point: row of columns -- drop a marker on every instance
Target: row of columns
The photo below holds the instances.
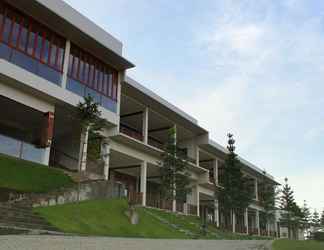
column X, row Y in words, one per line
column 143, row 189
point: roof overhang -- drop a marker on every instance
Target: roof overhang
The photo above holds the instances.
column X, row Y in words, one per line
column 66, row 21
column 163, row 107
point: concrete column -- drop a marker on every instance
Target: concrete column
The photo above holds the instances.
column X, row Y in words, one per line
column 215, row 169
column 257, row 217
column 234, row 221
column 174, row 206
column 145, row 125
column 66, row 63
column 216, row 212
column 197, row 155
column 83, row 149
column 105, row 152
column 197, row 200
column 143, row 182
column 256, row 189
column 246, row 220
column 174, row 202
column 121, row 78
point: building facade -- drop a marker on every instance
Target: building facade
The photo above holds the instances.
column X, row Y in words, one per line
column 50, row 58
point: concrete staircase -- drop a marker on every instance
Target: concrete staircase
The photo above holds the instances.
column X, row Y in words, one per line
column 19, row 218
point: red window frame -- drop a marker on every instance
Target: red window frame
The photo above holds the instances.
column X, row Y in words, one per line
column 33, row 27
column 93, row 76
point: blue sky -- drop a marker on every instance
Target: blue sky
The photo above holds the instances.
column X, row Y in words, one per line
column 253, row 68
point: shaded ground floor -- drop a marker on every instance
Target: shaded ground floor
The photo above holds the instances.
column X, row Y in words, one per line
column 67, row 242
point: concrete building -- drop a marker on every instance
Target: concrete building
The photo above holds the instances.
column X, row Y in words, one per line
column 50, row 58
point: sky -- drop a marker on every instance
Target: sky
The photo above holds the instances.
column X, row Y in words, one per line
column 252, row 68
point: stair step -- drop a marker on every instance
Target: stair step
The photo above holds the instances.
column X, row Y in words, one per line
column 13, row 213
column 18, row 209
column 28, row 225
column 27, row 219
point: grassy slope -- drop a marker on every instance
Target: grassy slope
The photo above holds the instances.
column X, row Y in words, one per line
column 297, row 245
column 105, row 217
column 193, row 223
column 26, row 176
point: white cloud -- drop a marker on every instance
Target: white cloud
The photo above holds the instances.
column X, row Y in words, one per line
column 270, row 93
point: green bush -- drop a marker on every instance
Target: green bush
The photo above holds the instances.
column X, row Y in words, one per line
column 319, row 236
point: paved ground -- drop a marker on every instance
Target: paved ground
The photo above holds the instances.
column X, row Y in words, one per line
column 101, row 243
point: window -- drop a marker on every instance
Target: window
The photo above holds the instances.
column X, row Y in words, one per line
column 24, row 34
column 91, row 72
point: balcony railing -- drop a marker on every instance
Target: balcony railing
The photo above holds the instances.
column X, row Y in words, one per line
column 253, row 231
column 180, row 206
column 240, row 228
column 155, row 143
column 132, row 132
column 192, row 209
column 156, row 201
column 135, row 198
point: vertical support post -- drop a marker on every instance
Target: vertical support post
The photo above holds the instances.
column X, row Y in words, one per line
column 256, row 189
column 66, row 63
column 83, row 149
column 145, row 125
column 258, row 221
column 174, row 202
column 197, row 156
column 215, row 169
column 143, row 182
column 105, row 152
column 197, row 200
column 246, row 219
column 174, row 205
column 234, row 221
column 46, row 136
column 121, row 78
column 216, row 212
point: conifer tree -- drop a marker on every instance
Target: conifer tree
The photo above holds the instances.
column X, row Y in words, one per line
column 306, row 216
column 268, row 197
column 322, row 219
column 288, row 206
column 174, row 171
column 236, row 194
column 316, row 221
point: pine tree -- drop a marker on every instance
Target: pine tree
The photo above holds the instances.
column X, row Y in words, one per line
column 316, row 221
column 288, row 206
column 306, row 216
column 174, row 171
column 322, row 219
column 236, row 194
column 268, row 197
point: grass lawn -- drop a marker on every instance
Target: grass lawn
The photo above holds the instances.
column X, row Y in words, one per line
column 105, row 218
column 297, row 245
column 193, row 223
column 27, row 176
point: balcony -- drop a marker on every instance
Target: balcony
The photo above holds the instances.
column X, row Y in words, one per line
column 131, row 132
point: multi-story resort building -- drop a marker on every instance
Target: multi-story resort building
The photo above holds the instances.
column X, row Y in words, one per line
column 51, row 56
